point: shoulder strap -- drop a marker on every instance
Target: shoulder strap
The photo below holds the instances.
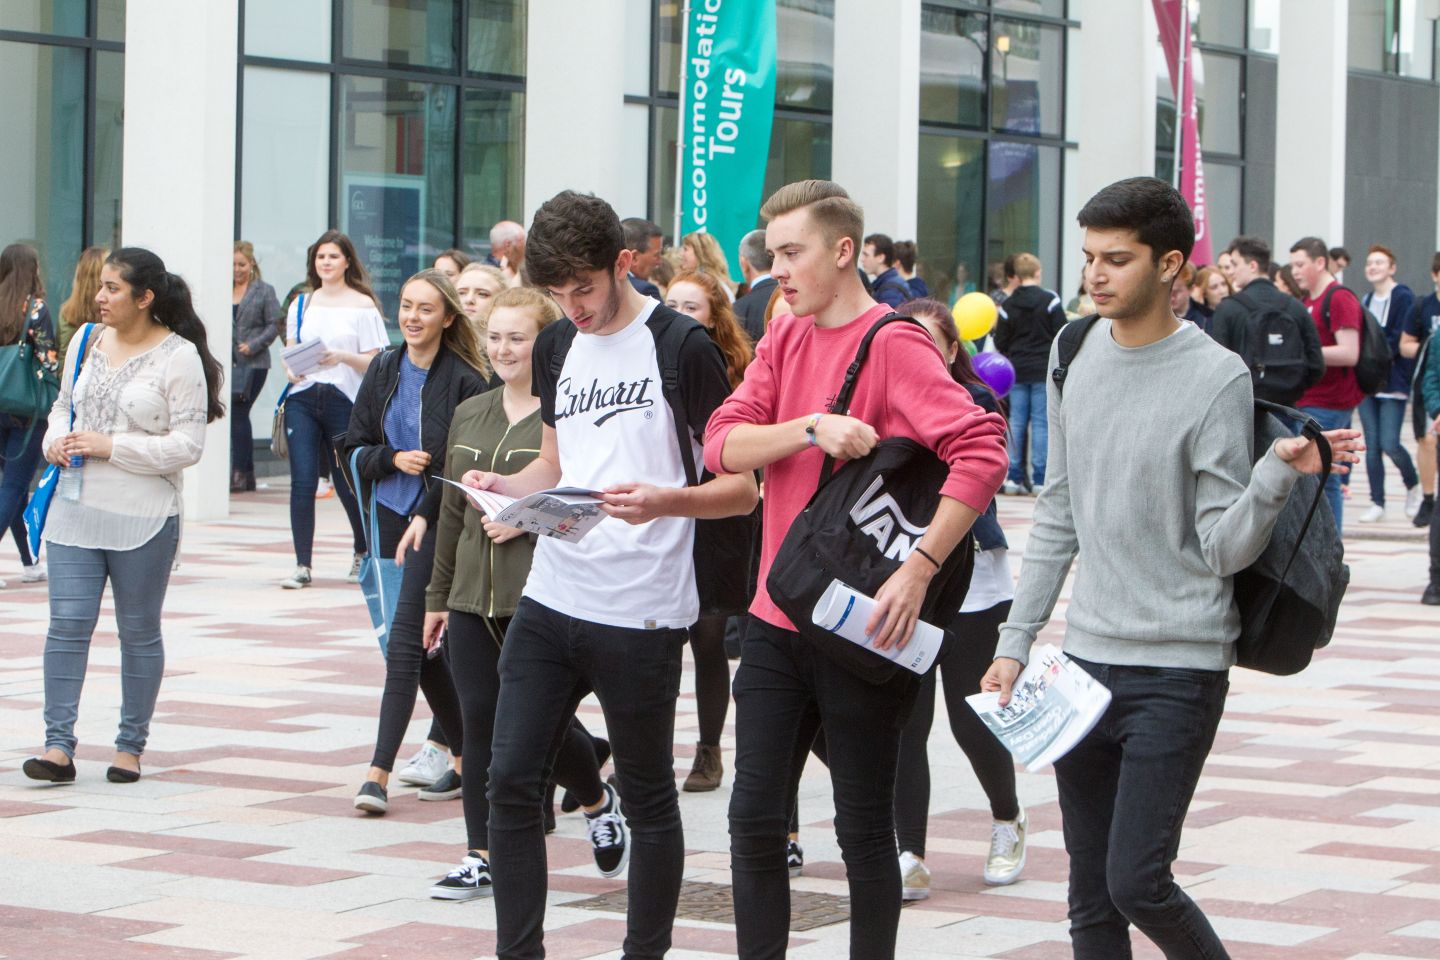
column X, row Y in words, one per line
column 841, row 404
column 564, row 336
column 1325, row 306
column 1309, row 428
column 79, row 363
column 299, row 316
column 1072, row 337
column 670, row 337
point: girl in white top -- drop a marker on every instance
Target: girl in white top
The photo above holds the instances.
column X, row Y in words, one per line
column 342, row 311
column 146, row 390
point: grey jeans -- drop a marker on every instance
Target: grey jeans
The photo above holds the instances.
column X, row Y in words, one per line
column 77, row 583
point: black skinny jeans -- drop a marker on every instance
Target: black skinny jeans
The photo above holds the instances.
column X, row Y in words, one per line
column 407, row 668
column 549, row 663
column 712, row 677
column 474, row 643
column 960, row 672
column 785, row 691
column 1124, row 791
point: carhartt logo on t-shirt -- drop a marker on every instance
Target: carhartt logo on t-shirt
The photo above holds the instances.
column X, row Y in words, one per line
column 607, row 401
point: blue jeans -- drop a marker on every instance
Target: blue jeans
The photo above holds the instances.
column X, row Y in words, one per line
column 1124, row 791
column 316, row 421
column 1331, row 420
column 1027, row 411
column 77, row 583
column 20, row 459
column 1380, row 418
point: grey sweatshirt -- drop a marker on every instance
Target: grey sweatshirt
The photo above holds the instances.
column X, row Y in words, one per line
column 1149, row 481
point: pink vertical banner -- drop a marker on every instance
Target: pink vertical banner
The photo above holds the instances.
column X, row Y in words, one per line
column 1173, row 17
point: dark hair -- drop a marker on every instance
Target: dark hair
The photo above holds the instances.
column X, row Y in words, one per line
column 19, row 281
column 1314, row 248
column 1339, row 253
column 1286, row 278
column 172, row 308
column 639, row 232
column 1007, row 267
column 355, row 277
column 905, row 253
column 1435, row 264
column 573, row 233
column 461, row 258
column 961, row 369
column 1151, row 208
column 1252, row 249
column 884, row 247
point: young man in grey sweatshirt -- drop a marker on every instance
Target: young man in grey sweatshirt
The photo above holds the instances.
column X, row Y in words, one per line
column 1150, row 483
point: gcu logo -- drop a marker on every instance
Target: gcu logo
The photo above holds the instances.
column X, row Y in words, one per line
column 879, row 516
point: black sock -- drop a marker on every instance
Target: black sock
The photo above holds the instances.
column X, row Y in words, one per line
column 1428, row 498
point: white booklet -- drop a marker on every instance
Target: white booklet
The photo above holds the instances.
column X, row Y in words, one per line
column 1052, row 706
column 565, row 513
column 303, row 359
column 844, row 611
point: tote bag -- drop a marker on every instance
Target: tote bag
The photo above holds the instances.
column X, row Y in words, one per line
column 379, row 576
column 39, row 506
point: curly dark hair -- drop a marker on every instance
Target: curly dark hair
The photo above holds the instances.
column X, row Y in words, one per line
column 573, row 233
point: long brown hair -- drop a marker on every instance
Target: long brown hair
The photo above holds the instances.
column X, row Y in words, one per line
column 733, row 342
column 19, row 282
column 961, row 369
column 355, row 275
column 80, row 307
column 459, row 338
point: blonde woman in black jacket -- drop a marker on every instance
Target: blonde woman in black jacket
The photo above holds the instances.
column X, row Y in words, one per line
column 254, row 309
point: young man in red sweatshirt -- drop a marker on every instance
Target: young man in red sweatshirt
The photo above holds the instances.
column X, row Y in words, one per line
column 785, row 690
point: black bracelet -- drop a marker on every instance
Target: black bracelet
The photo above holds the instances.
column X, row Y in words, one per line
column 921, row 551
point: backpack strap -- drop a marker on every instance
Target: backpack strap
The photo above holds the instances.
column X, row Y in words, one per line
column 1071, row 338
column 841, row 403
column 670, row 337
column 1309, row 428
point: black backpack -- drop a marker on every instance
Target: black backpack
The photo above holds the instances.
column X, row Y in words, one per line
column 1289, row 598
column 860, row 525
column 1282, row 351
column 1372, row 370
column 726, row 551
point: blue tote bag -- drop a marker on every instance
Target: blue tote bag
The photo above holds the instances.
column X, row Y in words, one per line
column 379, row 576
column 39, row 506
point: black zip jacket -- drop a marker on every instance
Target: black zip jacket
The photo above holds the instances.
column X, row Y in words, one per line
column 450, row 382
column 1029, row 320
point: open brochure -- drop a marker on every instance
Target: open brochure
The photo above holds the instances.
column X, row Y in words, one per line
column 303, row 359
column 844, row 611
column 565, row 513
column 1053, row 705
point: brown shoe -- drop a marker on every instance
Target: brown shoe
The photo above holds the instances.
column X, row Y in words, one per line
column 705, row 774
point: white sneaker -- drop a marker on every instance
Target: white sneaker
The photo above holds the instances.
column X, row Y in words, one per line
column 1413, row 498
column 1038, row 489
column 914, row 877
column 297, row 580
column 1011, row 489
column 354, row 575
column 1007, row 851
column 1375, row 514
column 35, row 572
column 423, row 769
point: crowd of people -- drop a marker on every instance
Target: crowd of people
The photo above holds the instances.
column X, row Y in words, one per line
column 581, row 353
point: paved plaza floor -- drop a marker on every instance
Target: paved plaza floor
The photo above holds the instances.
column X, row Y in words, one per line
column 1314, row 835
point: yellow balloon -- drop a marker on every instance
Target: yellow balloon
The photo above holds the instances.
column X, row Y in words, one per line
column 974, row 315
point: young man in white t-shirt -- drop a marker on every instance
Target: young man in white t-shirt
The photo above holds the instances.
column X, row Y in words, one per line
column 608, row 614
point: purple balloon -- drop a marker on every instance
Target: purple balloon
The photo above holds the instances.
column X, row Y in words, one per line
column 995, row 370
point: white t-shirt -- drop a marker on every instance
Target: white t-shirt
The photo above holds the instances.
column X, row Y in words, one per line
column 1379, row 308
column 352, row 329
column 612, row 425
column 991, row 583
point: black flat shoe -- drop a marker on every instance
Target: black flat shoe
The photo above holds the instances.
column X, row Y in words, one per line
column 38, row 768
column 121, row 775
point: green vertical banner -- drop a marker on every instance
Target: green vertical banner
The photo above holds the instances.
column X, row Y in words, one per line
column 727, row 106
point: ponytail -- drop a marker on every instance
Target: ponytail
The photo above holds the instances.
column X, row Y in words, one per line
column 173, row 309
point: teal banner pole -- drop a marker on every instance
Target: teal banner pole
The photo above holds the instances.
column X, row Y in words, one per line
column 727, row 109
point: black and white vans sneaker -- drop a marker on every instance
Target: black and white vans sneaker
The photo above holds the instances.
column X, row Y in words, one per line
column 446, row 788
column 794, row 858
column 609, row 837
column 466, row 882
column 372, row 798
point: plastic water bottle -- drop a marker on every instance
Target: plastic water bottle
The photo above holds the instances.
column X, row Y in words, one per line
column 68, row 486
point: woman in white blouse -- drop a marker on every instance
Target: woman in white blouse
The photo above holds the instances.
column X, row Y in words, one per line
column 147, row 387
column 342, row 311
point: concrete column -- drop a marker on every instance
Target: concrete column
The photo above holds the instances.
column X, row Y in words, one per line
column 1310, row 134
column 575, row 100
column 178, row 195
column 876, row 146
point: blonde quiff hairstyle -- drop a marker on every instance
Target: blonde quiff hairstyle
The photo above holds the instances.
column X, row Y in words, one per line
column 830, row 207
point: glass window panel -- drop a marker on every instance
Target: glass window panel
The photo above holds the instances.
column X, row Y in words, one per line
column 1164, row 102
column 951, row 198
column 497, row 36
column 109, row 148
column 662, row 168
column 671, row 25
column 952, row 67
column 1368, row 35
column 110, row 16
column 1045, row 8
column 1265, row 26
column 1219, row 21
column 637, row 47
column 805, row 36
column 494, row 167
column 1027, row 69
column 1217, row 96
column 397, row 189
column 1417, row 40
column 1022, row 202
column 64, row 17
column 799, row 150
column 1222, row 203
column 42, row 193
column 633, row 199
column 288, row 29
column 399, row 32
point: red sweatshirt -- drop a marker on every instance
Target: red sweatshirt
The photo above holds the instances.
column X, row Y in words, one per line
column 904, row 390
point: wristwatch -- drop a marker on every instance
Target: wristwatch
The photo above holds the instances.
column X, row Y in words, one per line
column 811, row 422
